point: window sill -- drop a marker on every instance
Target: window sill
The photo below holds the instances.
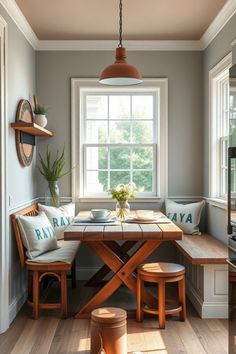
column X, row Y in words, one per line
column 109, row 200
column 217, row 202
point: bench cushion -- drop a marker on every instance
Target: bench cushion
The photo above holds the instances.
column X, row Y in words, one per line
column 37, row 234
column 66, row 253
column 60, row 217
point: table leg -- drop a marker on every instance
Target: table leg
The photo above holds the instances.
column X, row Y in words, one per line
column 123, row 272
column 121, row 251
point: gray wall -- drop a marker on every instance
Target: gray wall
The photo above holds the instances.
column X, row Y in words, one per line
column 216, row 51
column 21, row 181
column 188, row 75
column 184, row 71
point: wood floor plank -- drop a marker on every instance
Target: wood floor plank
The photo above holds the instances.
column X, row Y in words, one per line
column 51, row 335
column 59, row 344
column 189, row 338
column 143, row 337
column 45, row 335
column 27, row 339
column 9, row 338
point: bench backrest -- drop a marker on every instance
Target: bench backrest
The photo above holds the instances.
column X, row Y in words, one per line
column 29, row 211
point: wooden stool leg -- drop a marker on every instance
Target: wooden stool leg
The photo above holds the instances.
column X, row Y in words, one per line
column 30, row 286
column 64, row 294
column 139, row 313
column 161, row 303
column 182, row 299
column 73, row 275
column 35, row 295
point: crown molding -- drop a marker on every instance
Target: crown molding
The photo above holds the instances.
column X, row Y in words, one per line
column 131, row 45
column 17, row 16
column 218, row 23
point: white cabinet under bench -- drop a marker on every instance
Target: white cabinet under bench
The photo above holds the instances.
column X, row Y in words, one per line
column 204, row 258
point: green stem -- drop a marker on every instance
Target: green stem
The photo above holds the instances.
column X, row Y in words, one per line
column 53, row 193
column 121, row 211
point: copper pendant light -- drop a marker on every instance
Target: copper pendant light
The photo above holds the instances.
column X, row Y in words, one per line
column 120, row 73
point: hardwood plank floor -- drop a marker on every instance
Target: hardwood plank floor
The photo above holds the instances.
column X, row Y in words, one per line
column 51, row 335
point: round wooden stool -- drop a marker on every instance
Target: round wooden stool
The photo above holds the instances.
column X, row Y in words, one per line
column 110, row 324
column 161, row 273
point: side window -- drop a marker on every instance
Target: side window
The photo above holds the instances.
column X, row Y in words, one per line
column 219, row 127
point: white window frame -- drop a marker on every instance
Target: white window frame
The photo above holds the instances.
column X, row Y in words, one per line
column 79, row 85
column 216, row 77
column 4, row 208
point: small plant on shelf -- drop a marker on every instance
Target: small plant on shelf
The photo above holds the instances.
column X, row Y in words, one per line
column 40, row 109
column 39, row 115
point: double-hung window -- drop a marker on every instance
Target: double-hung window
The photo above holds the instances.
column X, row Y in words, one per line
column 116, row 138
column 219, row 127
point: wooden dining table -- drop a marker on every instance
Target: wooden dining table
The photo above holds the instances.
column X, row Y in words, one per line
column 140, row 240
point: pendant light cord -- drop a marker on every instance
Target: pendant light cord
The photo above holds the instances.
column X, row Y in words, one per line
column 120, row 24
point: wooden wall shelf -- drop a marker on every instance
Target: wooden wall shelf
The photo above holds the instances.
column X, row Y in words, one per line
column 31, row 128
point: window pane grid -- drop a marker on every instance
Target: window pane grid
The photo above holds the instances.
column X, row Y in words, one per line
column 118, row 129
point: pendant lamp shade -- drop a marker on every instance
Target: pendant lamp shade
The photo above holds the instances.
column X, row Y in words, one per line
column 120, row 73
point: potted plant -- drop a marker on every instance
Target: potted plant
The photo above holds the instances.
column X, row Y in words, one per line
column 52, row 171
column 40, row 115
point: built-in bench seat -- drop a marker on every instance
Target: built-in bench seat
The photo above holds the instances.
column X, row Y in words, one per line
column 57, row 263
column 204, row 258
column 202, row 249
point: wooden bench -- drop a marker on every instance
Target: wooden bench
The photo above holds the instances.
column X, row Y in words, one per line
column 204, row 258
column 38, row 271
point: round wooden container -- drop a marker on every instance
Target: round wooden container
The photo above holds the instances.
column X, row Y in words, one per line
column 110, row 323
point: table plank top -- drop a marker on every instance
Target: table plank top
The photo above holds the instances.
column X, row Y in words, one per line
column 123, row 231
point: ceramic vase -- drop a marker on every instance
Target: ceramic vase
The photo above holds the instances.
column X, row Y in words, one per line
column 41, row 120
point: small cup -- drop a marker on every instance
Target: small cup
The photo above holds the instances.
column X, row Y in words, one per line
column 144, row 214
column 100, row 213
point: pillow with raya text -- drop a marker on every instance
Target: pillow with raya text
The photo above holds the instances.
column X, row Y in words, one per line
column 60, row 217
column 186, row 216
column 37, row 234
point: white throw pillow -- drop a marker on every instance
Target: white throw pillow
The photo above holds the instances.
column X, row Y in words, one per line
column 37, row 234
column 60, row 217
column 186, row 216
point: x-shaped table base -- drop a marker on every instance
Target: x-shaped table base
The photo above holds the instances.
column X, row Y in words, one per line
column 123, row 266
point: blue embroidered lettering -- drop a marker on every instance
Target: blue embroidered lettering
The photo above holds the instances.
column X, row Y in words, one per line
column 174, row 217
column 45, row 235
column 55, row 222
column 38, row 234
column 68, row 220
column 62, row 222
column 181, row 217
column 48, row 228
column 189, row 219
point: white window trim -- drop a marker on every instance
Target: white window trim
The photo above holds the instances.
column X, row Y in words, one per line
column 214, row 185
column 162, row 165
column 4, row 209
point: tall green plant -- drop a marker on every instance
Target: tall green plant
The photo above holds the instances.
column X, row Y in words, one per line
column 52, row 170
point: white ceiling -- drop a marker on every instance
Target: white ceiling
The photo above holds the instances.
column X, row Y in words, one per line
column 98, row 19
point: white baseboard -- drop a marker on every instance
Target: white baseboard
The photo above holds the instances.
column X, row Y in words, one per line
column 194, row 297
column 17, row 304
column 206, row 309
column 214, row 310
